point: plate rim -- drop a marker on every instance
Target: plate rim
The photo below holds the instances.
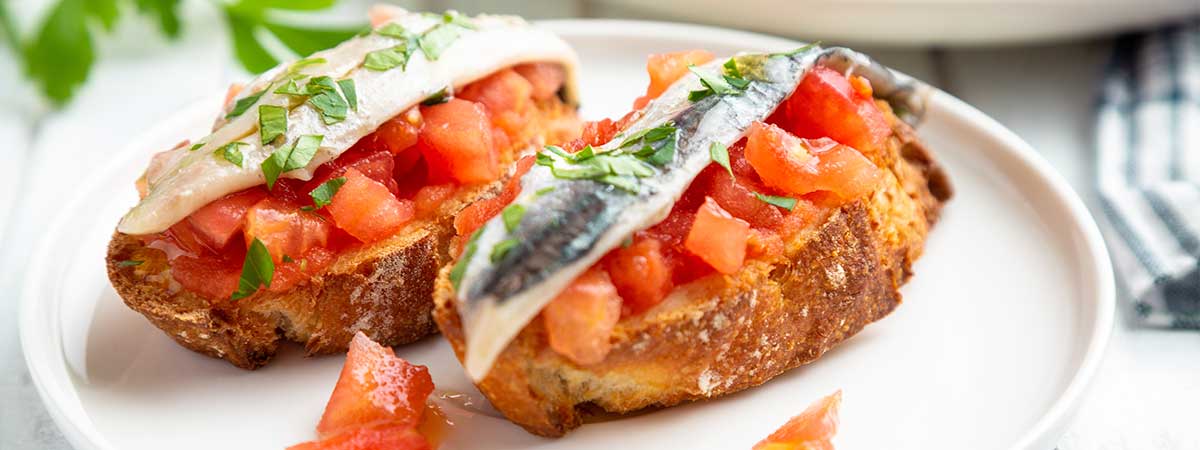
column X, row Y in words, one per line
column 43, row 352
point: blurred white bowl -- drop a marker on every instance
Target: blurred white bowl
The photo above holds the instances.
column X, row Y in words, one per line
column 921, row 22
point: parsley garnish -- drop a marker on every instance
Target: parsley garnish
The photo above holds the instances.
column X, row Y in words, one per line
column 245, row 103
column 394, row 30
column 290, row 157
column 544, row 191
column 388, row 58
column 502, row 249
column 232, row 153
column 730, row 82
column 783, row 202
column 324, row 193
column 272, row 122
column 635, row 157
column 326, row 99
column 129, row 263
column 798, row 50
column 300, row 64
column 720, row 155
column 460, row 267
column 512, row 215
column 348, row 91
column 257, row 270
column 196, row 146
column 435, row 40
column 438, row 97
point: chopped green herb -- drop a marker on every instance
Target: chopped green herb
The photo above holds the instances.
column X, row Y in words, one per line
column 730, row 82
column 436, row 40
column 502, row 249
column 460, row 266
column 438, row 97
column 245, row 103
column 300, row 64
column 393, row 30
column 232, row 152
column 293, row 89
column 288, row 259
column 720, row 155
column 783, row 202
column 290, row 157
column 798, row 50
column 512, row 215
column 324, row 193
column 456, row 18
column 349, row 92
column 620, row 167
column 129, row 263
column 388, row 58
column 257, row 270
column 327, row 100
column 627, row 242
column 544, row 191
column 196, row 146
column 272, row 122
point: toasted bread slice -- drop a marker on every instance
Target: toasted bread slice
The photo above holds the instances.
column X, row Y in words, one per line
column 383, row 289
column 722, row 334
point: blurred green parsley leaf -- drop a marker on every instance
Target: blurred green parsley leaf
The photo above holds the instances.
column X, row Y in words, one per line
column 59, row 56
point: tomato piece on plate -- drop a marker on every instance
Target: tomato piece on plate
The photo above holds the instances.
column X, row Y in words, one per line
column 284, row 229
column 212, row 277
column 581, row 318
column 826, row 104
column 375, row 387
column 666, row 68
column 384, row 437
column 718, row 238
column 800, row 166
column 641, row 274
column 476, row 214
column 367, row 210
column 812, row 429
column 218, row 222
column 546, row 78
column 457, row 142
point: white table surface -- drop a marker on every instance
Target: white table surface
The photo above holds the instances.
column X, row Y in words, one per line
column 1145, row 396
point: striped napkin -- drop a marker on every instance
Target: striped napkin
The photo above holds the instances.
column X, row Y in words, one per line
column 1148, row 140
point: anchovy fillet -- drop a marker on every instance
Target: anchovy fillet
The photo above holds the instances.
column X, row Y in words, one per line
column 569, row 224
column 189, row 179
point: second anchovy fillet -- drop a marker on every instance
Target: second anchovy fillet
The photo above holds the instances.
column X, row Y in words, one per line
column 567, row 224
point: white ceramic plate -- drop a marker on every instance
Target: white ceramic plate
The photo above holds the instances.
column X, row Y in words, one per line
column 1000, row 331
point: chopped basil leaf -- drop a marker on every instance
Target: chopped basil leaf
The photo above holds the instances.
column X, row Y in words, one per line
column 388, row 58
column 625, row 182
column 129, row 263
column 293, row 89
column 290, row 157
column 327, row 100
column 512, row 215
column 232, row 153
column 798, row 50
column 720, row 155
column 456, row 18
column 544, row 191
column 393, row 30
column 730, row 82
column 324, row 193
column 502, row 249
column 296, row 66
column 783, row 202
column 272, row 122
column 436, row 40
column 245, row 103
column 348, row 91
column 621, row 167
column 438, row 97
column 663, row 155
column 196, row 146
column 460, row 266
column 257, row 270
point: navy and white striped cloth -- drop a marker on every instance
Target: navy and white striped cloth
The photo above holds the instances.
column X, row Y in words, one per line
column 1148, row 138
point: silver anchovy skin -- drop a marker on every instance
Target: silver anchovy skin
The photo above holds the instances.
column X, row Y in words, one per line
column 570, row 227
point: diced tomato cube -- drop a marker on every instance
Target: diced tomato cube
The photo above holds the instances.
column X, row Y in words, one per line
column 718, row 238
column 429, row 198
column 367, row 210
column 284, row 229
column 799, row 166
column 505, row 90
column 580, row 320
column 599, row 132
column 546, row 78
column 185, row 236
column 641, row 274
column 212, row 277
column 291, row 274
column 378, row 165
column 457, row 142
column 812, row 429
column 476, row 214
column 384, row 437
column 666, row 68
column 826, row 104
column 375, row 387
column 737, row 197
column 218, row 222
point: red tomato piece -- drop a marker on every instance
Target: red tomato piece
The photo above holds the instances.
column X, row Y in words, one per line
column 284, row 229
column 211, row 277
column 375, row 387
column 718, row 238
column 378, row 165
column 394, row 136
column 812, row 429
column 580, row 320
column 429, row 198
column 291, row 274
column 185, row 236
column 546, row 78
column 641, row 274
column 218, row 222
column 505, row 90
column 457, row 143
column 385, row 437
column 800, row 166
column 666, row 68
column 476, row 214
column 367, row 210
column 737, row 197
column 826, row 104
